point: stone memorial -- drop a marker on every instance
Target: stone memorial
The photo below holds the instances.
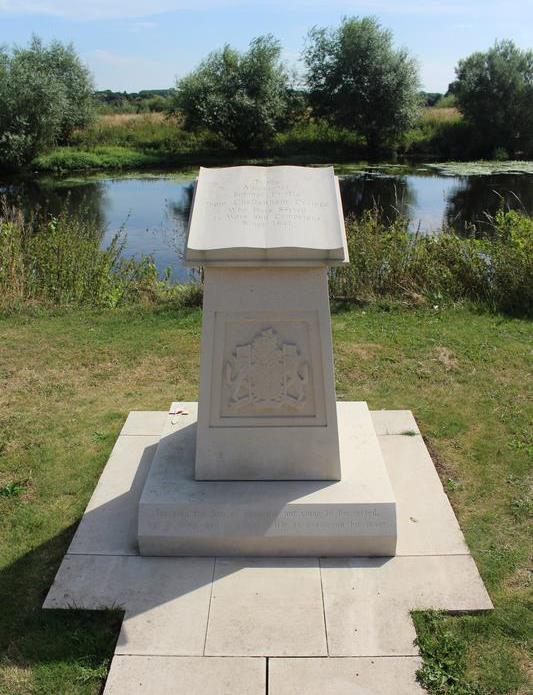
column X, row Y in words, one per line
column 268, row 463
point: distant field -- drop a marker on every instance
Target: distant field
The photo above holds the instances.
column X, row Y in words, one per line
column 135, row 119
column 121, row 119
column 444, row 115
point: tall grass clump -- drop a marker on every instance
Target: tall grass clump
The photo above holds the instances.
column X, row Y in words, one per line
column 59, row 261
column 150, row 132
column 387, row 260
column 318, row 138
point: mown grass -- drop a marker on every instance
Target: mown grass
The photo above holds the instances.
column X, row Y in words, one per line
column 69, row 378
column 132, row 141
column 99, row 157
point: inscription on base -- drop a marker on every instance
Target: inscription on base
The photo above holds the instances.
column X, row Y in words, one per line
column 366, row 521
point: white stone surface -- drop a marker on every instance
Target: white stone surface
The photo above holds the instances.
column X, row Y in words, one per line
column 275, row 605
column 367, row 600
column 394, row 422
column 269, row 607
column 144, row 422
column 390, row 676
column 109, row 525
column 265, row 414
column 166, row 600
column 149, row 675
column 426, row 522
column 179, row 515
column 266, row 215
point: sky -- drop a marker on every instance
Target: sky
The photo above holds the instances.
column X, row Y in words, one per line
column 131, row 45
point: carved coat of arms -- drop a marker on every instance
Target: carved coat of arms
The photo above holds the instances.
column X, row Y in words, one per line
column 267, row 374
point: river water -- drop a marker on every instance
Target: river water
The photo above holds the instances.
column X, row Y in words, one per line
column 153, row 208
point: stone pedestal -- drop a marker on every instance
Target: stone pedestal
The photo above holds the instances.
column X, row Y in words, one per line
column 268, row 464
column 267, row 391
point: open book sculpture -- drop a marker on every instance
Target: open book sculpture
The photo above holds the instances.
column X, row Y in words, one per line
column 259, row 214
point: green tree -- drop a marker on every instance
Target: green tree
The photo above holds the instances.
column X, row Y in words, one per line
column 242, row 97
column 494, row 91
column 358, row 80
column 45, row 93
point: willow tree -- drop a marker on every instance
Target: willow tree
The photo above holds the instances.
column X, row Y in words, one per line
column 45, row 93
column 494, row 91
column 358, row 80
column 243, row 97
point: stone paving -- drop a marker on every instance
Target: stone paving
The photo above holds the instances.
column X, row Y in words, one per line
column 275, row 626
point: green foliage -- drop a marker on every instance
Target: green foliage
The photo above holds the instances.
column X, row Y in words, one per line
column 387, row 260
column 59, row 261
column 431, row 98
column 446, row 101
column 45, row 93
column 13, row 488
column 359, row 81
column 103, row 157
column 241, row 97
column 147, row 100
column 316, row 137
column 444, row 654
column 494, row 90
column 147, row 133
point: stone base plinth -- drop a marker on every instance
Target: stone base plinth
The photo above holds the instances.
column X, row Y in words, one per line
column 180, row 516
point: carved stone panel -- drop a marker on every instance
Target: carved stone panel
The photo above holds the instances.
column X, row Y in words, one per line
column 268, row 370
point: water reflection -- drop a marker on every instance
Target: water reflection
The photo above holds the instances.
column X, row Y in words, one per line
column 475, row 199
column 391, row 195
column 154, row 210
column 89, row 199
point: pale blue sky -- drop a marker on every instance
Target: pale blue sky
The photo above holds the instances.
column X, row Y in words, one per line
column 142, row 44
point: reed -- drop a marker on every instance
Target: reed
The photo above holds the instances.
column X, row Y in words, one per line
column 59, row 260
column 492, row 271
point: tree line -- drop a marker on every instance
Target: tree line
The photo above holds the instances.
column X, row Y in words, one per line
column 354, row 78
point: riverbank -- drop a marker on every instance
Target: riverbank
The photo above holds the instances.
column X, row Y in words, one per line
column 151, row 140
column 69, row 378
column 60, row 261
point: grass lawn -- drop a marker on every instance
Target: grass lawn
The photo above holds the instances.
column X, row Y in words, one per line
column 68, row 380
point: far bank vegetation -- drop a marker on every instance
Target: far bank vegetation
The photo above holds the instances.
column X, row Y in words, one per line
column 248, row 104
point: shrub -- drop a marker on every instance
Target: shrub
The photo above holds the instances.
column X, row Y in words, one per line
column 59, row 261
column 386, row 260
column 45, row 93
column 243, row 98
column 494, row 90
column 318, row 138
column 359, row 81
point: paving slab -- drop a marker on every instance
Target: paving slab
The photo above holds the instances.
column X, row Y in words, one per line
column 183, row 633
column 166, row 599
column 426, row 521
column 144, row 422
column 355, row 676
column 266, row 606
column 149, row 675
column 367, row 600
column 394, row 422
column 109, row 524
